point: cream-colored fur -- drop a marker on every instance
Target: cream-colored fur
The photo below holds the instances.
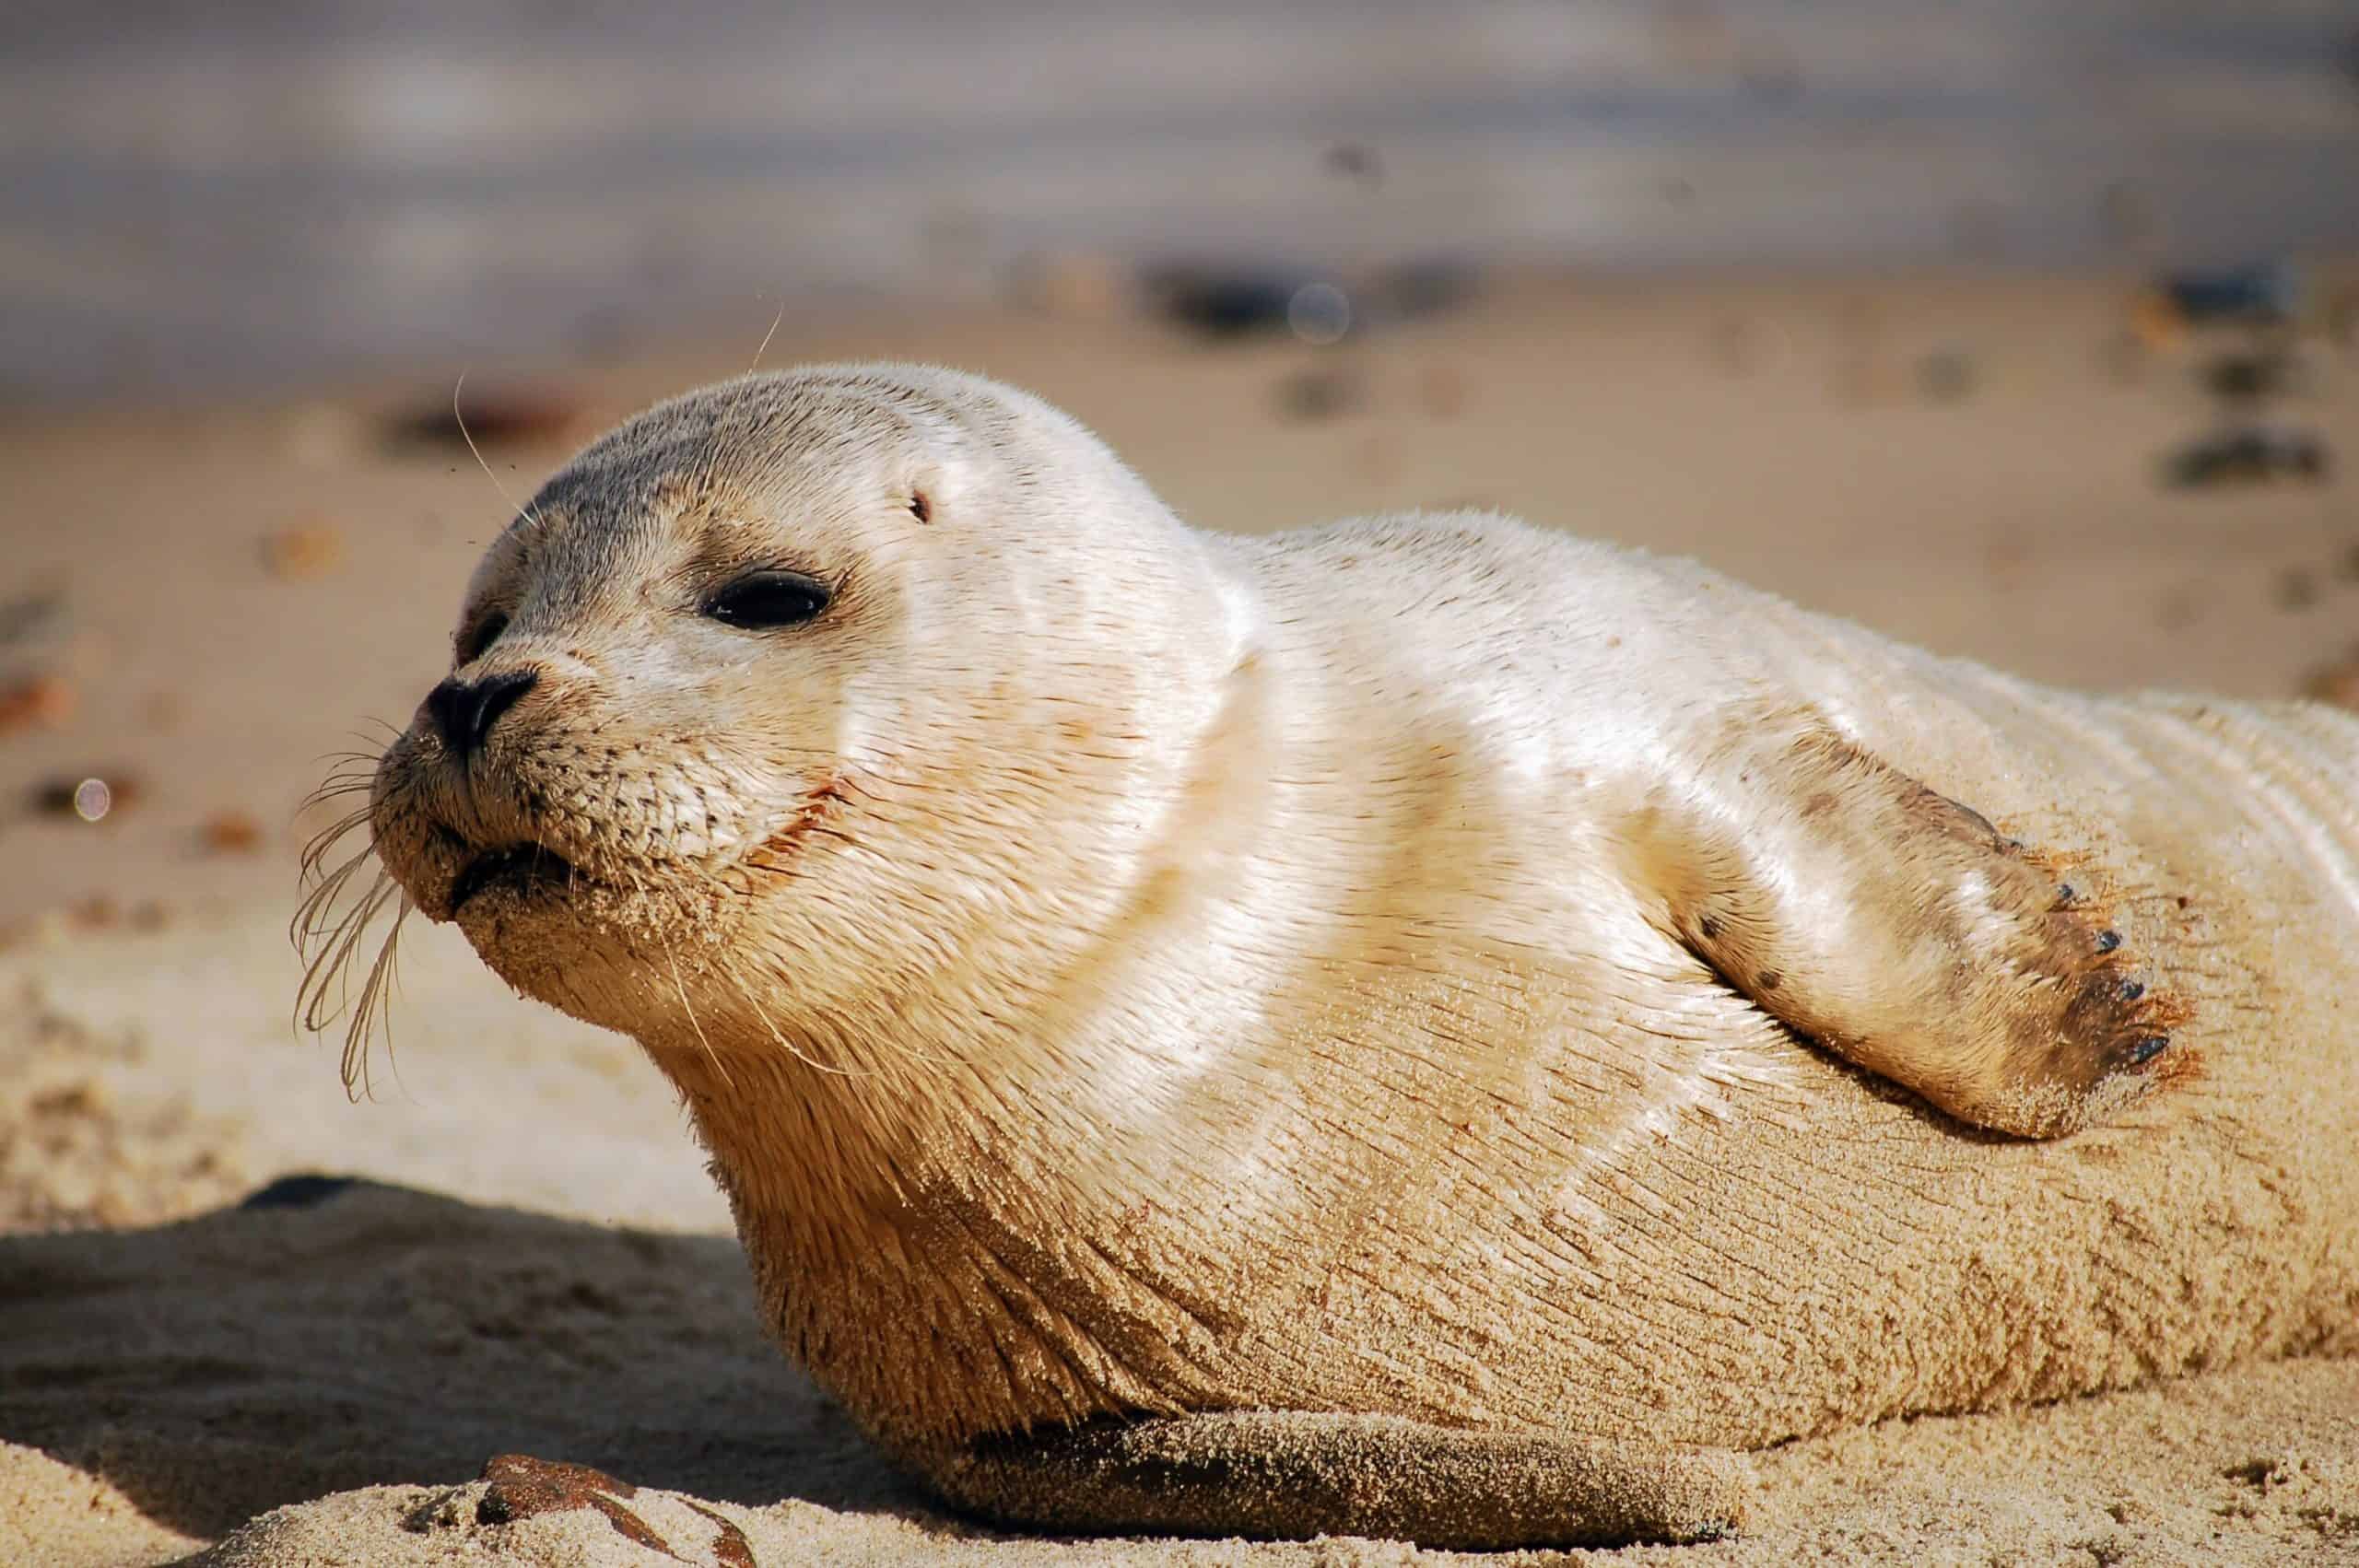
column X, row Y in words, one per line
column 1122, row 971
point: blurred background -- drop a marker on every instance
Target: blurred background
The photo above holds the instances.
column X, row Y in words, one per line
column 256, row 188
column 2019, row 328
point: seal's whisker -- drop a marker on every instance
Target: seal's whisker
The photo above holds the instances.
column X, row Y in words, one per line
column 335, row 785
column 322, row 843
column 319, row 938
column 337, row 944
column 357, row 759
column 763, row 347
column 745, row 388
column 312, row 916
column 468, row 436
column 331, row 794
column 714, row 1057
column 324, row 912
column 796, row 1051
column 375, row 1009
column 327, row 792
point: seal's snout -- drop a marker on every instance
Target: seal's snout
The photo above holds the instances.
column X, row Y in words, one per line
column 465, row 712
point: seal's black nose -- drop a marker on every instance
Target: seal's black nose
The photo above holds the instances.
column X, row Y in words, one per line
column 465, row 710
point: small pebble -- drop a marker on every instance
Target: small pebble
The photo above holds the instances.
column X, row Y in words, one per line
column 1322, row 393
column 232, row 833
column 97, row 913
column 306, row 551
column 1224, row 305
column 44, row 702
column 1355, row 160
column 1946, row 375
column 91, row 798
column 2336, row 684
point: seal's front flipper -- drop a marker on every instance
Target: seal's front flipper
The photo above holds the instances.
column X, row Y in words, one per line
column 1898, row 928
column 1288, row 1476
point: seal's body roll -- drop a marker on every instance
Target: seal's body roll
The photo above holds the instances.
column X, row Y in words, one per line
column 1192, row 1027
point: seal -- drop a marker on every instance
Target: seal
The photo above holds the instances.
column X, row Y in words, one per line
column 1422, row 1025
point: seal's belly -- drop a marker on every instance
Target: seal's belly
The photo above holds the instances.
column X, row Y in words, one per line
column 1774, row 1243
column 1631, row 1205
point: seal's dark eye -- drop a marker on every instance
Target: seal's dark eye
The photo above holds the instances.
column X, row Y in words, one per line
column 761, row 600
column 481, row 636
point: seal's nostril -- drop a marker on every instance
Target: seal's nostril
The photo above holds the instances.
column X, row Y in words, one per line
column 465, row 710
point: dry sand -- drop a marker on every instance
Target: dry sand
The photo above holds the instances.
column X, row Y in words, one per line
column 197, row 604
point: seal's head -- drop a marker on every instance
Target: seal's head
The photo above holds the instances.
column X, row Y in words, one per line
column 816, row 689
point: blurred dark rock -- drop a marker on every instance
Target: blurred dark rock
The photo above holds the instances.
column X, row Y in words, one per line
column 2250, row 377
column 1946, row 375
column 496, row 418
column 2256, row 293
column 1248, row 300
column 1322, row 391
column 2247, row 454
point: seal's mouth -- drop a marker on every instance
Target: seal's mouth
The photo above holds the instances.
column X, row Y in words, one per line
column 519, row 868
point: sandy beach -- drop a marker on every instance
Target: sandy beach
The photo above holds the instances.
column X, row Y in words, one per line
column 516, row 1249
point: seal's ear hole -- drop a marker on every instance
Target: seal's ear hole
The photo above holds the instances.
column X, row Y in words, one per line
column 920, row 507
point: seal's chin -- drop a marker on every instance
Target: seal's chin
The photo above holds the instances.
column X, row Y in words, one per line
column 513, row 872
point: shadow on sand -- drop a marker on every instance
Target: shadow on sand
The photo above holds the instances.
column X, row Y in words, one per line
column 327, row 1335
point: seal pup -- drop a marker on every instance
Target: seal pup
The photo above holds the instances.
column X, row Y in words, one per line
column 1418, row 1026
